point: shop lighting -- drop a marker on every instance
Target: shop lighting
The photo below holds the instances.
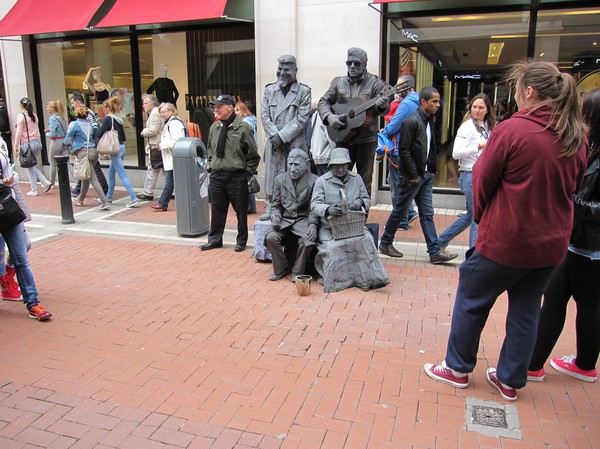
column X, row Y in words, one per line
column 521, row 36
column 512, row 15
column 494, row 52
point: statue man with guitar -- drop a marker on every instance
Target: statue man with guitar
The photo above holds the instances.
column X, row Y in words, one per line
column 350, row 108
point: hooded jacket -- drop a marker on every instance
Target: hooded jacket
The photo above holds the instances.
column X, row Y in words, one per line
column 522, row 193
column 406, row 108
column 107, row 125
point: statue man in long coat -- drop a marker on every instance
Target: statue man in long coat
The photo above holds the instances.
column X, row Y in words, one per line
column 284, row 112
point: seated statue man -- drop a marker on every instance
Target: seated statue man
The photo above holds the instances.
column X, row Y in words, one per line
column 352, row 261
column 292, row 222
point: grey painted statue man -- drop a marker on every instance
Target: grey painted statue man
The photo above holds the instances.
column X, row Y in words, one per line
column 284, row 112
column 292, row 222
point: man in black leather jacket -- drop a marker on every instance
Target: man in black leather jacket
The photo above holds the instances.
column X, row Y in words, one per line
column 358, row 83
column 417, row 169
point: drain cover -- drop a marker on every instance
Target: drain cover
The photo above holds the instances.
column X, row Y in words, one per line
column 489, row 416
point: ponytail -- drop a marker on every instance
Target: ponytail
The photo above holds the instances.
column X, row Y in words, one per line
column 26, row 104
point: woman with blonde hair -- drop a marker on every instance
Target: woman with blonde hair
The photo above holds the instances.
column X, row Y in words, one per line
column 523, row 186
column 28, row 133
column 112, row 120
column 80, row 137
column 56, row 131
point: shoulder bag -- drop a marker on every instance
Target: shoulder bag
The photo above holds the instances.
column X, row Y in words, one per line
column 156, row 161
column 27, row 157
column 83, row 169
column 109, row 145
column 10, row 212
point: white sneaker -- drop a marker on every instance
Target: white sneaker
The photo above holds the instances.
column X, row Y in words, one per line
column 32, row 193
column 133, row 203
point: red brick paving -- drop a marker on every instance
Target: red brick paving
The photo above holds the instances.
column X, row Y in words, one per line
column 156, row 345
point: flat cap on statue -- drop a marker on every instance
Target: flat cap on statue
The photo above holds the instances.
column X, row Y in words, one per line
column 339, row 156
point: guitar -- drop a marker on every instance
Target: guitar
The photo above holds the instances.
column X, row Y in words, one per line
column 354, row 112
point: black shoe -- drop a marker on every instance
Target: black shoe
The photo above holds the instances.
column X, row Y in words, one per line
column 276, row 277
column 143, row 196
column 442, row 257
column 208, row 246
column 239, row 248
column 389, row 250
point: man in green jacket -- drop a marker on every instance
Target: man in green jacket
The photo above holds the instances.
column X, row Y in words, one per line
column 232, row 158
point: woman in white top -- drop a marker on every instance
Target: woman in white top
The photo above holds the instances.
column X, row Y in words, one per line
column 174, row 129
column 470, row 140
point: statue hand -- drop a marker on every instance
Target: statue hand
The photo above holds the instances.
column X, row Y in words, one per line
column 335, row 121
column 276, row 142
column 382, row 102
column 276, row 222
column 356, row 205
column 335, row 211
column 312, row 232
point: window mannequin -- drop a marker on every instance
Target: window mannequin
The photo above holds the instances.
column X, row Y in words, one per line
column 163, row 87
column 99, row 88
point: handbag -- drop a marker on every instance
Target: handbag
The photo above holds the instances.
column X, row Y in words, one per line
column 82, row 167
column 156, row 161
column 109, row 144
column 253, row 185
column 27, row 157
column 10, row 212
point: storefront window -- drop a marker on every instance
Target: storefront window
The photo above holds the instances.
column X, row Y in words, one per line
column 460, row 55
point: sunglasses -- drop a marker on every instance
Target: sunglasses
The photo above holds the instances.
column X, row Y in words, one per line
column 353, row 63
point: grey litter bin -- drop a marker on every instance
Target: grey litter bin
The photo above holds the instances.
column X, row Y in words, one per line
column 191, row 193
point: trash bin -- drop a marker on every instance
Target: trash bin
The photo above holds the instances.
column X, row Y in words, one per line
column 191, row 188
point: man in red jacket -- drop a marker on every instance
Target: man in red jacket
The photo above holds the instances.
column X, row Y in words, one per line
column 522, row 194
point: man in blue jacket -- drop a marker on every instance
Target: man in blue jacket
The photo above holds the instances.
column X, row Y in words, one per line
column 409, row 104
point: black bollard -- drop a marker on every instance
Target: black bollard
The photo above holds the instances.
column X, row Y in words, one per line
column 64, row 189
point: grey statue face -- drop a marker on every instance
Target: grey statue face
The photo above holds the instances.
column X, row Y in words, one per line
column 286, row 74
column 356, row 67
column 297, row 167
column 339, row 170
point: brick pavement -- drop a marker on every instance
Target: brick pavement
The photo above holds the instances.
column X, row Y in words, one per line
column 155, row 344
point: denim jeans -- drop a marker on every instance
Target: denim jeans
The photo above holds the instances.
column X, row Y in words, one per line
column 16, row 240
column 117, row 168
column 35, row 174
column 393, row 179
column 422, row 193
column 252, row 203
column 464, row 221
column 480, row 282
column 167, row 192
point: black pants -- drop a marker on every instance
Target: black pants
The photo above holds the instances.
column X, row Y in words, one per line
column 363, row 156
column 224, row 189
column 99, row 175
column 576, row 277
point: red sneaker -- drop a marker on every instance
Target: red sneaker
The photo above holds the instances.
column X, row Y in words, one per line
column 510, row 394
column 444, row 374
column 566, row 365
column 39, row 313
column 535, row 376
column 9, row 286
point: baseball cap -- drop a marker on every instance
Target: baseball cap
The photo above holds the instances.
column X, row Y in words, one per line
column 223, row 99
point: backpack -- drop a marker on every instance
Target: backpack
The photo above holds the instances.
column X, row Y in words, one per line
column 194, row 130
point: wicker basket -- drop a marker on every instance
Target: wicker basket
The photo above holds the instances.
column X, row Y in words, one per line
column 351, row 224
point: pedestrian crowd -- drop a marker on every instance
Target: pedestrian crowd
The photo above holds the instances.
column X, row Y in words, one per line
column 531, row 185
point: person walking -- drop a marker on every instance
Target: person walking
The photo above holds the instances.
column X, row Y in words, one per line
column 244, row 113
column 152, row 133
column 576, row 275
column 112, row 120
column 27, row 133
column 57, row 128
column 232, row 158
column 17, row 242
column 173, row 130
column 80, row 137
column 470, row 141
column 523, row 184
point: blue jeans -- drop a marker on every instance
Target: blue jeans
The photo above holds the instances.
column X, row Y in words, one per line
column 480, row 282
column 16, row 240
column 252, row 203
column 116, row 167
column 393, row 179
column 465, row 183
column 167, row 192
column 422, row 193
column 35, row 174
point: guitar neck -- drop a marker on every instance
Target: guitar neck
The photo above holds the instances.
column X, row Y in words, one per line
column 370, row 103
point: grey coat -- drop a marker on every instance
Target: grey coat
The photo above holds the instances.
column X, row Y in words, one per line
column 287, row 116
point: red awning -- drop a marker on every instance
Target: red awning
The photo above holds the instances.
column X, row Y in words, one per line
column 134, row 12
column 48, row 16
